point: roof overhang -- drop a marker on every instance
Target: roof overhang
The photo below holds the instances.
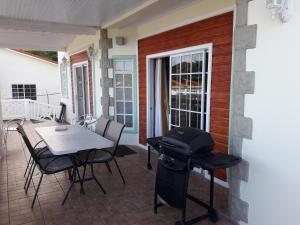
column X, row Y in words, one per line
column 52, row 25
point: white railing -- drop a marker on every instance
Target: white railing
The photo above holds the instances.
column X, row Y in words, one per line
column 28, row 109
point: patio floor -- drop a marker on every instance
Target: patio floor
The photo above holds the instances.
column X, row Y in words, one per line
column 129, row 204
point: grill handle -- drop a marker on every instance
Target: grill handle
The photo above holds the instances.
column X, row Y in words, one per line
column 168, row 145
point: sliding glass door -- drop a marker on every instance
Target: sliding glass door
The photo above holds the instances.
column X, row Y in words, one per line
column 189, row 90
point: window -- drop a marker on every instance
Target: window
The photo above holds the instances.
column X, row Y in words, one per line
column 63, row 80
column 24, row 91
column 189, row 90
column 124, row 91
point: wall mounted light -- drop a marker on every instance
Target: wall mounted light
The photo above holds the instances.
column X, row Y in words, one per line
column 64, row 60
column 281, row 9
column 92, row 52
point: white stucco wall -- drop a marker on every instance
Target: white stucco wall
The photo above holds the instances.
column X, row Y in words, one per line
column 129, row 49
column 274, row 180
column 196, row 11
column 79, row 44
column 18, row 68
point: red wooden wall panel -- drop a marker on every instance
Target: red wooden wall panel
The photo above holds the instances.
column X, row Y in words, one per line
column 217, row 30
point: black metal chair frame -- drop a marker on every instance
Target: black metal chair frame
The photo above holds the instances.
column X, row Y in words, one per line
column 112, row 158
column 30, row 163
column 44, row 168
column 105, row 129
column 8, row 128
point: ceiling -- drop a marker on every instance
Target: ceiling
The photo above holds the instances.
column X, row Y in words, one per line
column 53, row 24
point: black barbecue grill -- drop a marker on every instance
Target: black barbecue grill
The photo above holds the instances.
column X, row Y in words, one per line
column 182, row 149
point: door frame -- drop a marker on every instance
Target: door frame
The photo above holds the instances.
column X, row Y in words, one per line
column 150, row 80
column 74, row 66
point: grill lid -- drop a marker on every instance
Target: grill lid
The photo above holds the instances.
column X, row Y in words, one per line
column 188, row 141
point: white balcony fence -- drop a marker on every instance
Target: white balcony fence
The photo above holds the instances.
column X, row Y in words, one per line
column 28, row 109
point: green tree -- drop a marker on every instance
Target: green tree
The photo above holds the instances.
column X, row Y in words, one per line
column 46, row 54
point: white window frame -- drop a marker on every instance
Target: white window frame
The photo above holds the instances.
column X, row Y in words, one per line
column 124, row 87
column 149, row 74
column 24, row 95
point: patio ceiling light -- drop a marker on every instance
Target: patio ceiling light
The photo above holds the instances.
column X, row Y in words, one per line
column 281, row 9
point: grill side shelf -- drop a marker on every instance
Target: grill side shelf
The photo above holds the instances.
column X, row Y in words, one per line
column 215, row 161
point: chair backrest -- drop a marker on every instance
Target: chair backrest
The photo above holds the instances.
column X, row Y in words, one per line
column 22, row 132
column 101, row 126
column 113, row 133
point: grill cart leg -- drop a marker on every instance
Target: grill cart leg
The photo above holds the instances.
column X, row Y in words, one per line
column 155, row 202
column 149, row 166
column 211, row 212
column 213, row 216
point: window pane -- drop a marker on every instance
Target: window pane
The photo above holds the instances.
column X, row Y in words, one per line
column 205, row 102
column 175, row 63
column 120, row 108
column 128, row 66
column 175, row 117
column 14, row 86
column 206, row 61
column 128, row 94
column 186, row 64
column 119, row 94
column 184, row 119
column 119, row 80
column 128, row 107
column 127, row 80
column 185, row 92
column 175, row 91
column 196, row 92
column 128, row 121
column 119, row 65
column 197, row 63
column 120, row 119
column 195, row 120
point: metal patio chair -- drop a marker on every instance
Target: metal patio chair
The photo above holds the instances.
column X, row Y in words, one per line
column 113, row 133
column 41, row 152
column 101, row 125
column 100, row 128
column 11, row 126
column 50, row 165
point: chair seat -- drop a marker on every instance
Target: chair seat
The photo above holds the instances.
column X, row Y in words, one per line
column 59, row 164
column 98, row 156
column 44, row 153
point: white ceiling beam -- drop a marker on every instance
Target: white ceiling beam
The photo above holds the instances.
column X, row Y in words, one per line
column 29, row 46
column 129, row 14
column 34, row 40
column 42, row 26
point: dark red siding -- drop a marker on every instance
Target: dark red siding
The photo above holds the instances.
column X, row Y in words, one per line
column 81, row 57
column 217, row 30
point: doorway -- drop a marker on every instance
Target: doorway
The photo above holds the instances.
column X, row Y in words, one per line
column 82, row 88
column 185, row 99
